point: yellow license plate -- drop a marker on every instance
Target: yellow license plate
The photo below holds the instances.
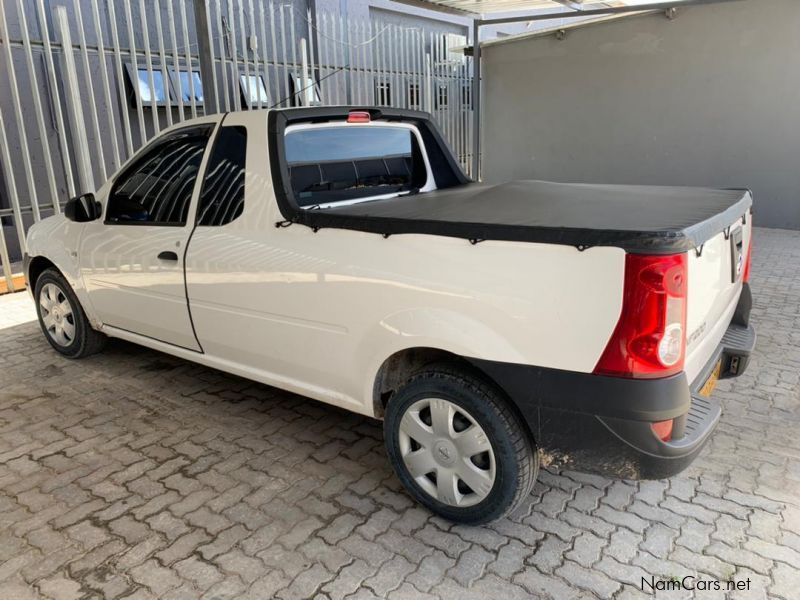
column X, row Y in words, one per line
column 712, row 380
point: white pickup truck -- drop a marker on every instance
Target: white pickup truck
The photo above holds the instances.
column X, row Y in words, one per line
column 342, row 254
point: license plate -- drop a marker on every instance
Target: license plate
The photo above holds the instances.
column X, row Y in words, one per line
column 711, row 382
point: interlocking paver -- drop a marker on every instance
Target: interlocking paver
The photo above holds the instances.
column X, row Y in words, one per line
column 134, row 474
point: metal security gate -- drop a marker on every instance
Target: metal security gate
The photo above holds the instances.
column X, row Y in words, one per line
column 85, row 83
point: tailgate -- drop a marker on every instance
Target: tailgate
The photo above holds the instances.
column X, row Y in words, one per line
column 715, row 283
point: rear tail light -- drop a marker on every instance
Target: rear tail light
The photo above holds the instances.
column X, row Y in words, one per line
column 650, row 338
column 358, row 116
column 748, row 259
column 663, row 429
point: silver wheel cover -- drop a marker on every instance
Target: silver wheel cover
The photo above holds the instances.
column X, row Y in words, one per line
column 57, row 315
column 447, row 452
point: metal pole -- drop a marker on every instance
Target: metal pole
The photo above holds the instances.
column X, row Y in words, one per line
column 207, row 74
column 476, row 100
column 304, row 73
column 11, row 185
column 72, row 92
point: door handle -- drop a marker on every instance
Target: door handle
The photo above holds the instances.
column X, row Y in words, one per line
column 168, row 255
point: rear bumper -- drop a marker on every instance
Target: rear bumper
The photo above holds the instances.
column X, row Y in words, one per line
column 602, row 424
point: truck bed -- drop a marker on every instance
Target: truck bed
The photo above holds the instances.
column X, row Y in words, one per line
column 649, row 219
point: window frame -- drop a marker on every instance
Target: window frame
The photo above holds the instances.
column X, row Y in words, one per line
column 132, row 71
column 442, row 96
column 383, row 92
column 430, row 182
column 175, row 79
column 414, row 92
column 211, row 127
column 299, row 91
column 249, row 102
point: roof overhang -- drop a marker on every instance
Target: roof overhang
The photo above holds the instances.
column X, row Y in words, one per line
column 507, row 11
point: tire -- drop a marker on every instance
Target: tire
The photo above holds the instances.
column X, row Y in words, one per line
column 478, row 469
column 62, row 319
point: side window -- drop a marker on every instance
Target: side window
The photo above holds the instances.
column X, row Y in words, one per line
column 157, row 188
column 337, row 164
column 222, row 197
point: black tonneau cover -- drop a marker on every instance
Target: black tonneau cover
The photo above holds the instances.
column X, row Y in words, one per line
column 645, row 219
column 636, row 218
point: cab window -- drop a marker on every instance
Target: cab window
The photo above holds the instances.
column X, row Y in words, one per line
column 156, row 189
column 222, row 198
column 330, row 165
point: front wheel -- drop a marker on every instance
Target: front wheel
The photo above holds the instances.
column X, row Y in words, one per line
column 457, row 447
column 62, row 319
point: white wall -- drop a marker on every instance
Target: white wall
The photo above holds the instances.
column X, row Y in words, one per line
column 710, row 98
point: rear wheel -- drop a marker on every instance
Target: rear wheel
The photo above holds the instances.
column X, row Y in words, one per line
column 62, row 319
column 457, row 447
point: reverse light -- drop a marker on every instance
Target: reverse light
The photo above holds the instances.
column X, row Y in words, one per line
column 649, row 340
column 663, row 429
column 358, row 116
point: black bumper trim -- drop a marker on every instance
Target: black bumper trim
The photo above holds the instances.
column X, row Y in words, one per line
column 614, row 397
column 26, row 263
column 603, row 424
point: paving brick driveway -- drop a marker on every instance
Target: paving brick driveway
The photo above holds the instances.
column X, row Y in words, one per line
column 134, row 474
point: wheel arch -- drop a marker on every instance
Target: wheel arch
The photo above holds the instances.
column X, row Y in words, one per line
column 402, row 365
column 37, row 266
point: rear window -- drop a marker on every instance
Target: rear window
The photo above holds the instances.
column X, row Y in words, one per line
column 338, row 164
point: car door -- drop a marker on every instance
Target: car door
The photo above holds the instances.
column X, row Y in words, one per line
column 132, row 262
column 284, row 305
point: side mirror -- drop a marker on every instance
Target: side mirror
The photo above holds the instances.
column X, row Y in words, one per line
column 83, row 208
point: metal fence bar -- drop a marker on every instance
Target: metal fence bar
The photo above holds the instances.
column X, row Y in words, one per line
column 87, row 78
column 163, row 60
column 72, row 90
column 237, row 100
column 112, row 127
column 23, row 135
column 298, row 85
column 120, row 77
column 5, row 258
column 349, row 60
column 176, row 61
column 205, row 48
column 311, row 58
column 148, row 64
column 246, row 56
column 135, row 69
column 223, row 56
column 286, row 75
column 337, row 48
column 264, row 56
column 256, row 69
column 282, row 91
column 374, row 55
column 188, row 51
column 37, row 107
column 53, row 92
column 367, row 30
column 11, row 183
